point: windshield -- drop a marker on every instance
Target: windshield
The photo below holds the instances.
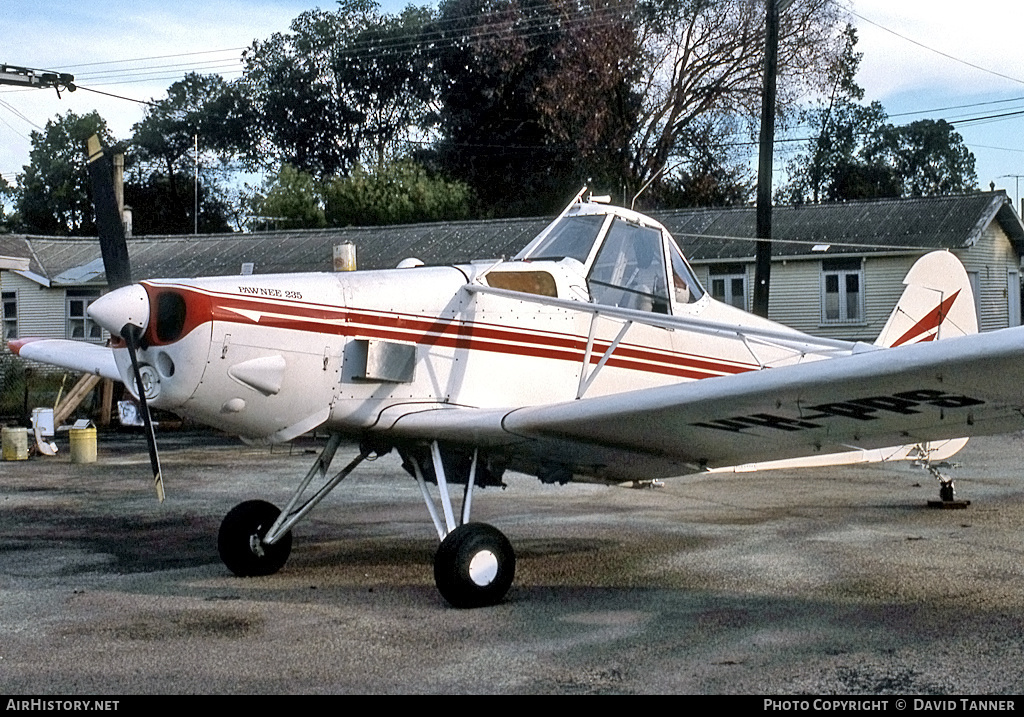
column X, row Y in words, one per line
column 570, row 237
column 630, row 271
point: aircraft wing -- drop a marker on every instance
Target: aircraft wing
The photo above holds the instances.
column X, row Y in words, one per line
column 964, row 386
column 73, row 355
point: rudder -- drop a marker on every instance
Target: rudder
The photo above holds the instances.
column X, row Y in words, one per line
column 938, row 303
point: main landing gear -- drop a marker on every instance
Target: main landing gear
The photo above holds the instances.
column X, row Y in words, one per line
column 473, row 567
column 475, row 564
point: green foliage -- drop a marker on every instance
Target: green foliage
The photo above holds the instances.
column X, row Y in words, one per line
column 830, row 166
column 291, row 200
column 160, row 186
column 702, row 76
column 855, row 154
column 42, row 387
column 520, row 102
column 341, row 88
column 54, row 196
column 164, row 204
column 927, row 157
column 536, row 98
column 400, row 193
column 7, row 192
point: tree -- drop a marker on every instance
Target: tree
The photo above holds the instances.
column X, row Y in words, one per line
column 161, row 185
column 701, row 177
column 854, row 154
column 928, row 157
column 54, row 196
column 166, row 205
column 829, row 167
column 703, row 66
column 544, row 95
column 6, row 193
column 340, row 89
column 400, row 193
column 535, row 98
column 291, row 200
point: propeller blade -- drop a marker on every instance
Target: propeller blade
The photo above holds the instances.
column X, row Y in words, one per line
column 108, row 216
column 122, row 304
column 132, row 336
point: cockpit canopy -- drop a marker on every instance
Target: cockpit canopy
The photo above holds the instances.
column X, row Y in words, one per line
column 629, row 260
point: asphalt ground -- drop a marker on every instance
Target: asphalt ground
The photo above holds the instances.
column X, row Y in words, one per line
column 814, row 582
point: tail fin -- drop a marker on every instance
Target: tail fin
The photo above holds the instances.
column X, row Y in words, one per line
column 938, row 303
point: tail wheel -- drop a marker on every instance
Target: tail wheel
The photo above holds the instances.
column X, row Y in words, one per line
column 240, row 540
column 474, row 566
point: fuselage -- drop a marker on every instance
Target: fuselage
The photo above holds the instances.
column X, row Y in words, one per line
column 270, row 357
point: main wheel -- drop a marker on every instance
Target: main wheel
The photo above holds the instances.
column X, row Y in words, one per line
column 474, row 566
column 240, row 540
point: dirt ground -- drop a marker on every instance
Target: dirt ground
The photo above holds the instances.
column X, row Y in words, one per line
column 830, row 581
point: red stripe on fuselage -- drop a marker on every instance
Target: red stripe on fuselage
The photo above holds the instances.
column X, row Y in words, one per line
column 450, row 333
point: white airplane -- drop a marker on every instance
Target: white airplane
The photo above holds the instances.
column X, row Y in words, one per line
column 594, row 355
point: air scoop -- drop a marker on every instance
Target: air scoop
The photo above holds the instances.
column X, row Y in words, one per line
column 122, row 307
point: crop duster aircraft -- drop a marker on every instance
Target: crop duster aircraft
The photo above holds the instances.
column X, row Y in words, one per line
column 594, row 354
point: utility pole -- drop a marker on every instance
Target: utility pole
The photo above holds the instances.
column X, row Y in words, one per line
column 28, row 77
column 763, row 254
column 195, row 189
column 1017, row 177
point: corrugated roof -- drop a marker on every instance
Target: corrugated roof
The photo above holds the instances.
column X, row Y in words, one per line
column 848, row 227
column 705, row 235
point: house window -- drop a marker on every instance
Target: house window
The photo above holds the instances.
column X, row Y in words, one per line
column 729, row 285
column 79, row 324
column 10, row 315
column 842, row 291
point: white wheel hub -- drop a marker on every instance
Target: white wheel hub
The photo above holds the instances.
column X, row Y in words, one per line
column 483, row 568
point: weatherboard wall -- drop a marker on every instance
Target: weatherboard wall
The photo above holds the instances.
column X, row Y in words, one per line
column 991, row 259
column 40, row 309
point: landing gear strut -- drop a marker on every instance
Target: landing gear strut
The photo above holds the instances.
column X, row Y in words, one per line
column 947, row 499
column 255, row 537
column 475, row 564
column 473, row 567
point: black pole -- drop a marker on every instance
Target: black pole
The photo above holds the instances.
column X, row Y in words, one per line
column 763, row 256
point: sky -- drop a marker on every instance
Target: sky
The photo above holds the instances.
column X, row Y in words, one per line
column 923, row 59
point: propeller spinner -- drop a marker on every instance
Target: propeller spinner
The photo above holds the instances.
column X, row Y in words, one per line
column 123, row 312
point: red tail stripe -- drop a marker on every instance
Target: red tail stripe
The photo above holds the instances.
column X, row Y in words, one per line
column 930, row 322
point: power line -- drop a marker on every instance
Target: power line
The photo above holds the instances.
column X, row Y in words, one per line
column 119, row 97
column 153, row 57
column 957, row 107
column 937, row 52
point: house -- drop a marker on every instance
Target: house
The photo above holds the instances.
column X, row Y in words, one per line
column 837, row 269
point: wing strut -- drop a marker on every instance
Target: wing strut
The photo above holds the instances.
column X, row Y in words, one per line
column 586, row 380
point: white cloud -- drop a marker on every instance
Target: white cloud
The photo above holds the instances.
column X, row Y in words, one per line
column 983, row 34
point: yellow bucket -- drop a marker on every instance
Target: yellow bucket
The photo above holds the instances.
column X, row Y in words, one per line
column 83, row 445
column 15, row 444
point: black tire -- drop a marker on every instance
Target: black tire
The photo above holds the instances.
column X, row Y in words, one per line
column 474, row 566
column 239, row 541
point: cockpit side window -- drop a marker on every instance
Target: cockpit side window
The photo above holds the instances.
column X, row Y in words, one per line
column 684, row 283
column 570, row 237
column 629, row 270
